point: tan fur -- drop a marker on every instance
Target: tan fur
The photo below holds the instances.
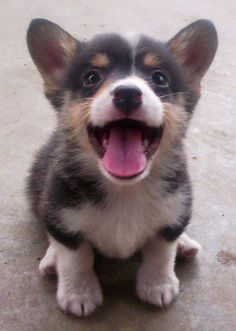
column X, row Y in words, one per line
column 118, row 217
column 68, row 46
column 175, row 120
column 151, row 60
column 100, row 60
column 76, row 118
column 180, row 47
column 49, row 87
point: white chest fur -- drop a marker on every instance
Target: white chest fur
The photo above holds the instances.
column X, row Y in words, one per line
column 129, row 217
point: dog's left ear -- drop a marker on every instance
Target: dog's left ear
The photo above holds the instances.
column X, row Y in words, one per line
column 52, row 50
column 195, row 47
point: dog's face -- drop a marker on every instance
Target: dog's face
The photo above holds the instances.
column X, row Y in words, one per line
column 125, row 101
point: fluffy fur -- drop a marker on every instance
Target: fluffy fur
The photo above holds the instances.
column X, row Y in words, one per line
column 80, row 202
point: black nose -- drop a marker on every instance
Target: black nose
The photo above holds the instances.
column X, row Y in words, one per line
column 127, row 98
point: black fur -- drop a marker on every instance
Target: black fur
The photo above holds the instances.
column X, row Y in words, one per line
column 171, row 233
column 55, row 183
column 176, row 179
column 56, row 98
column 57, row 178
column 167, row 64
column 115, row 47
column 120, row 54
column 57, row 231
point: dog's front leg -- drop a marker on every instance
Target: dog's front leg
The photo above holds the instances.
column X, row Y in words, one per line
column 156, row 279
column 78, row 291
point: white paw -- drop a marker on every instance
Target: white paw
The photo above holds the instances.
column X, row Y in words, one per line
column 81, row 300
column 79, row 304
column 47, row 266
column 159, row 292
column 187, row 247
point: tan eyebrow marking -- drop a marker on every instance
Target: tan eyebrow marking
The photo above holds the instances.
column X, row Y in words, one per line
column 100, row 60
column 150, row 60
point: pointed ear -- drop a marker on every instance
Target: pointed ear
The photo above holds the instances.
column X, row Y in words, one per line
column 51, row 49
column 195, row 47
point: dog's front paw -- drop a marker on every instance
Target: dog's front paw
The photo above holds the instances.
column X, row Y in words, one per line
column 159, row 292
column 82, row 304
column 81, row 300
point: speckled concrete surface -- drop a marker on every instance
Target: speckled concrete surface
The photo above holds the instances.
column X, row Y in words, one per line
column 207, row 301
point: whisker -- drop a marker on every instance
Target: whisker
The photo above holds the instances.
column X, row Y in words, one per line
column 171, row 94
column 88, row 99
column 84, row 107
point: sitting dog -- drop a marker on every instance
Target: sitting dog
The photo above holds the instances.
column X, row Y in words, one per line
column 113, row 175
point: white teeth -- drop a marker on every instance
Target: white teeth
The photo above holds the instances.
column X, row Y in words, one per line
column 145, row 144
column 105, row 143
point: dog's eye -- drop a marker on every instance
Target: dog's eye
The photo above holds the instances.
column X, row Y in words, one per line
column 159, row 79
column 92, row 77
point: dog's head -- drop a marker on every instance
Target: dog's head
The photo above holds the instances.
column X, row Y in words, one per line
column 124, row 100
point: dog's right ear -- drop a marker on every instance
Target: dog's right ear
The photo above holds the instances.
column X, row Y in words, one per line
column 195, row 47
column 52, row 49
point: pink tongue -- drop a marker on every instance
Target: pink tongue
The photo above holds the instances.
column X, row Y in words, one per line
column 124, row 156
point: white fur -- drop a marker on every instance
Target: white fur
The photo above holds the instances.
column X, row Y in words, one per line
column 79, row 291
column 130, row 216
column 187, row 247
column 150, row 112
column 125, row 222
column 47, row 265
column 156, row 280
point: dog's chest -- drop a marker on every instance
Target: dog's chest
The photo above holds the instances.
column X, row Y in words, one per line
column 122, row 226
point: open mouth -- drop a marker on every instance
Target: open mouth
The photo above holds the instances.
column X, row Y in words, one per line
column 125, row 146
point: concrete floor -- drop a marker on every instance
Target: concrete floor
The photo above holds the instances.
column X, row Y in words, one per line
column 207, row 301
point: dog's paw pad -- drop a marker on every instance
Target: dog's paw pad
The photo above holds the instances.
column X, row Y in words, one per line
column 80, row 304
column 158, row 294
column 188, row 253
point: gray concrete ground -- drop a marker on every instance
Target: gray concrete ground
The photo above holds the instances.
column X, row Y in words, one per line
column 207, row 301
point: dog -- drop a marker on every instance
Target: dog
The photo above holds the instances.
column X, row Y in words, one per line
column 113, row 175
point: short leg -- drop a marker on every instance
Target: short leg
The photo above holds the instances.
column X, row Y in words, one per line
column 156, row 280
column 47, row 266
column 187, row 247
column 79, row 291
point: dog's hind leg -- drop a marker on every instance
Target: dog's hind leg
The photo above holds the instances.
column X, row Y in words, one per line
column 187, row 247
column 47, row 266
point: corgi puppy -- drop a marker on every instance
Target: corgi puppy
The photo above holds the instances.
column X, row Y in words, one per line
column 113, row 175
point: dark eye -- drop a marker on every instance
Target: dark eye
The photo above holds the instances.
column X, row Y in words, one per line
column 92, row 77
column 159, row 79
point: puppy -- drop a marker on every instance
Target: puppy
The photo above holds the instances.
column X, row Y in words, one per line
column 113, row 175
